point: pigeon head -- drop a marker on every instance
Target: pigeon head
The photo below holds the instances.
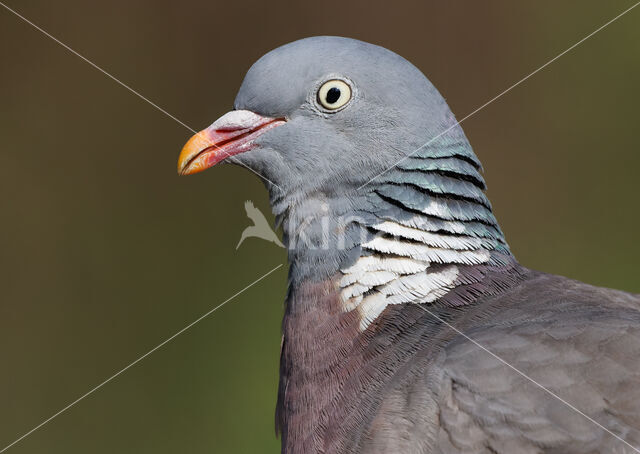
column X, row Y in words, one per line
column 365, row 164
column 323, row 114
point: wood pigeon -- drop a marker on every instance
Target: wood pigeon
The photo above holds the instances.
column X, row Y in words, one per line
column 409, row 326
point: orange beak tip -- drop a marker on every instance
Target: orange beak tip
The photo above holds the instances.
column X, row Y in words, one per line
column 195, row 145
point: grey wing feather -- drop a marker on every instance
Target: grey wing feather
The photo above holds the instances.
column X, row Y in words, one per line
column 589, row 360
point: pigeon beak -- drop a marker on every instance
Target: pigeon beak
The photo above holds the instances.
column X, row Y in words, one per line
column 233, row 133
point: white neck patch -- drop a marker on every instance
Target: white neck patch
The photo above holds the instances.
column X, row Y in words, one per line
column 399, row 271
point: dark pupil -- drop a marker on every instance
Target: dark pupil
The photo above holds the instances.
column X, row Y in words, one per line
column 333, row 95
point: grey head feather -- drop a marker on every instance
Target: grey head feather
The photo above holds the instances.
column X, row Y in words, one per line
column 393, row 111
column 320, row 160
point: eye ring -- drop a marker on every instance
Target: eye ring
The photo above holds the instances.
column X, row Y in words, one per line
column 334, row 94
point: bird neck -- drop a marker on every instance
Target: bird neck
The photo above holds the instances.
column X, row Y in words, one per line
column 422, row 233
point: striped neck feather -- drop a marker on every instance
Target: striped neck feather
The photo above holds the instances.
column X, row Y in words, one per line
column 431, row 237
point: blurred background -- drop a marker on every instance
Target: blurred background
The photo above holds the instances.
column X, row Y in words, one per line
column 106, row 252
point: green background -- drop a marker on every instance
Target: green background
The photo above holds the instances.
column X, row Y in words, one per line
column 106, row 252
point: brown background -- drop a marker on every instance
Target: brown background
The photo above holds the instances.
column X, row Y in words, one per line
column 106, row 251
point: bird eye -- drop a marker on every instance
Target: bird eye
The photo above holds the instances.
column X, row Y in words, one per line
column 334, row 94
